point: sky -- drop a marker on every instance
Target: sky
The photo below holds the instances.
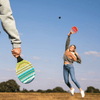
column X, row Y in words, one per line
column 43, row 37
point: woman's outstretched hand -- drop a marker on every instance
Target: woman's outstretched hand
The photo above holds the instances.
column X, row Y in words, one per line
column 16, row 52
column 71, row 32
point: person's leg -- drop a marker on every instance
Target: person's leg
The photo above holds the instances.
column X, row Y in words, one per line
column 72, row 74
column 66, row 76
column 8, row 23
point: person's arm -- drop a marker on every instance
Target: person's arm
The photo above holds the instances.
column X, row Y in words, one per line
column 78, row 58
column 67, row 59
column 8, row 24
column 74, row 58
column 67, row 42
column 12, row 32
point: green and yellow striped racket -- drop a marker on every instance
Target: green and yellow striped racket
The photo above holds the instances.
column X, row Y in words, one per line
column 25, row 71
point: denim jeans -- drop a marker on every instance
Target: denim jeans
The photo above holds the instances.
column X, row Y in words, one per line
column 69, row 69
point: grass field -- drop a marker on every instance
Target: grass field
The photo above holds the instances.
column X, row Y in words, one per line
column 48, row 96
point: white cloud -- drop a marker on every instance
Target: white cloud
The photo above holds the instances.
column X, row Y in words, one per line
column 91, row 72
column 95, row 80
column 5, row 78
column 46, row 60
column 49, row 78
column 95, row 53
column 83, row 79
column 37, row 58
column 90, row 80
column 9, row 69
column 37, row 71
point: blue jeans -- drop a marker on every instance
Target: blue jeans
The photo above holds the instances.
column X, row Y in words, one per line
column 69, row 69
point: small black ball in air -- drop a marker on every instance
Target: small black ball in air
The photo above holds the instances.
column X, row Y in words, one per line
column 59, row 17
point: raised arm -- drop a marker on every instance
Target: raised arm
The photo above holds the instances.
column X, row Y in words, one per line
column 67, row 42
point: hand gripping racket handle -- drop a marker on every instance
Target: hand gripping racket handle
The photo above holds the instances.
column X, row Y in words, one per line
column 19, row 59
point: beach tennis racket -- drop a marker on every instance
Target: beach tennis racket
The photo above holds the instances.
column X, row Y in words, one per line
column 74, row 29
column 25, row 71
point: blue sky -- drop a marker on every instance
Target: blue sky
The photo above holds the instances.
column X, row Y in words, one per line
column 43, row 37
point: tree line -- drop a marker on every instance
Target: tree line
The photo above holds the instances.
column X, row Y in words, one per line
column 12, row 86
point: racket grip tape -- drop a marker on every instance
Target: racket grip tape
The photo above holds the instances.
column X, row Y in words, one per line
column 19, row 59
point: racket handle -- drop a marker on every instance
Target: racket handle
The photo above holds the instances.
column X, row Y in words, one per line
column 19, row 59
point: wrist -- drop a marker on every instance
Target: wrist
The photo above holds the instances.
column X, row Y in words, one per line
column 69, row 34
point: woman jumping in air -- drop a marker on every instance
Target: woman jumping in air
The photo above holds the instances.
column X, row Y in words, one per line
column 69, row 57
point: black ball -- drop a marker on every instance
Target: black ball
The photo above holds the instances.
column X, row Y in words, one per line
column 59, row 17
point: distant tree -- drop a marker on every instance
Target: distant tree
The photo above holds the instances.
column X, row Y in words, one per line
column 96, row 91
column 49, row 90
column 91, row 89
column 9, row 86
column 24, row 90
column 41, row 91
column 31, row 90
column 2, row 87
column 58, row 89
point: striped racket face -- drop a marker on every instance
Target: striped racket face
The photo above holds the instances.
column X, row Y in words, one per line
column 75, row 29
column 25, row 71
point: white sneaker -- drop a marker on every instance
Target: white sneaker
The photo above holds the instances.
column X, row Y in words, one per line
column 82, row 94
column 72, row 91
